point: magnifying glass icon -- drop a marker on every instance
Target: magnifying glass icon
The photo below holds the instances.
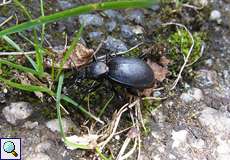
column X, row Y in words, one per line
column 9, row 147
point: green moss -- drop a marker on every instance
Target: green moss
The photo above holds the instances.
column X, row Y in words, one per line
column 180, row 42
column 149, row 106
column 47, row 113
column 133, row 53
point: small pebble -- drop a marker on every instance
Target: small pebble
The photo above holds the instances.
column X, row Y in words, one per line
column 215, row 15
column 64, row 4
column 194, row 94
column 95, row 35
column 17, row 111
column 127, row 31
column 178, row 137
column 115, row 45
column 30, row 125
column 91, row 19
column 110, row 26
column 38, row 156
column 206, row 78
column 209, row 62
column 43, row 147
column 67, row 124
column 137, row 16
column 155, row 7
column 114, row 15
column 117, row 137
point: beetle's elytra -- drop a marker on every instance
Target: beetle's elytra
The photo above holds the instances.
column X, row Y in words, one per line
column 128, row 72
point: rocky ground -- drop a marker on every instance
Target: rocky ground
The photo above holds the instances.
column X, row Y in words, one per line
column 192, row 124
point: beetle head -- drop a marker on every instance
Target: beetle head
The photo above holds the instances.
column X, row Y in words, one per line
column 97, row 70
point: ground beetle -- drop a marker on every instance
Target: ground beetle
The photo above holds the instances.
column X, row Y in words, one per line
column 132, row 73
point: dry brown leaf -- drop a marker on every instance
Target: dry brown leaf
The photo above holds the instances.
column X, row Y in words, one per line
column 165, row 61
column 79, row 57
column 159, row 71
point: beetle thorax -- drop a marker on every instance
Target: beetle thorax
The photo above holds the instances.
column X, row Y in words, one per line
column 98, row 69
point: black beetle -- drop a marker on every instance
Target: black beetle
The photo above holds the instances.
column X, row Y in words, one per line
column 132, row 73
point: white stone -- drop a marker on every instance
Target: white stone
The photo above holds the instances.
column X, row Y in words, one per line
column 215, row 15
column 17, row 111
column 179, row 137
column 157, row 157
column 30, row 125
column 38, row 156
column 138, row 30
column 117, row 137
column 218, row 124
column 43, row 147
column 67, row 125
column 191, row 95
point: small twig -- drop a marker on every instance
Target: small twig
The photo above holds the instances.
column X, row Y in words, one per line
column 115, row 122
column 121, row 53
column 5, row 21
column 154, row 98
column 159, row 89
column 115, row 125
column 134, row 47
column 188, row 55
column 5, row 2
column 123, row 130
column 201, row 53
column 16, row 53
column 139, row 114
column 61, row 106
column 98, row 48
column 193, row 7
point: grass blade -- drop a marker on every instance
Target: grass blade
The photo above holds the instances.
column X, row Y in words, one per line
column 70, row 50
column 12, row 43
column 77, row 11
column 43, row 25
column 18, row 48
column 19, row 67
column 105, row 106
column 25, row 87
column 58, row 104
column 69, row 100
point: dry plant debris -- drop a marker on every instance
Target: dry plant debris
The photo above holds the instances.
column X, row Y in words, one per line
column 160, row 72
column 80, row 56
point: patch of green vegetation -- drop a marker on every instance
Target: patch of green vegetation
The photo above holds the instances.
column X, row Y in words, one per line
column 49, row 114
column 5, row 46
column 180, row 42
column 149, row 106
column 134, row 53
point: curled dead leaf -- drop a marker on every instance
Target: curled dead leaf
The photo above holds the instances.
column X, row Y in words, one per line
column 80, row 56
column 159, row 71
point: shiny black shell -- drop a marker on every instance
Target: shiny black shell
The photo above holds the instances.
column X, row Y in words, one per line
column 130, row 72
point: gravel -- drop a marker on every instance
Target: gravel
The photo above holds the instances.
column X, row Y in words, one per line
column 67, row 124
column 115, row 45
column 17, row 111
column 91, row 19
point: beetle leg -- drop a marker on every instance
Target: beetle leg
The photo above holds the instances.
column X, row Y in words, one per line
column 118, row 95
